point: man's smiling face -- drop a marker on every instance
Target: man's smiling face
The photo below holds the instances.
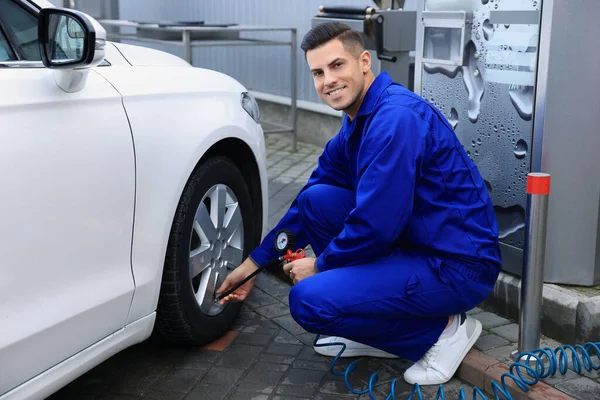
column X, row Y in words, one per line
column 339, row 75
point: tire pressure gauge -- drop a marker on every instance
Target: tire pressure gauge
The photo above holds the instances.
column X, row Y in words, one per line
column 284, row 240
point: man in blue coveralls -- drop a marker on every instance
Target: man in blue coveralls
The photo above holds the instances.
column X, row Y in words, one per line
column 398, row 216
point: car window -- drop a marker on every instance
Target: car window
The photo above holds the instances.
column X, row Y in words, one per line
column 21, row 27
column 6, row 53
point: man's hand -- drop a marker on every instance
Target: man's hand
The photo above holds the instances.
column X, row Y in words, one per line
column 300, row 269
column 237, row 275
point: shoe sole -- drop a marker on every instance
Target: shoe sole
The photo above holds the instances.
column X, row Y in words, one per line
column 333, row 351
column 470, row 343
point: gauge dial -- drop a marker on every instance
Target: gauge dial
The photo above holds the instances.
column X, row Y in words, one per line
column 282, row 241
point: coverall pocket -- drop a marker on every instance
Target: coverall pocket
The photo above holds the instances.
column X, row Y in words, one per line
column 452, row 276
column 467, row 290
column 412, row 285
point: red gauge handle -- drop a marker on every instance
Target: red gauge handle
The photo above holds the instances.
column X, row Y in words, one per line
column 294, row 255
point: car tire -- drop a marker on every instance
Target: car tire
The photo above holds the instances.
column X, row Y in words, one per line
column 186, row 313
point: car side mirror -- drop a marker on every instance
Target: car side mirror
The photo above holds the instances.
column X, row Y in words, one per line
column 71, row 42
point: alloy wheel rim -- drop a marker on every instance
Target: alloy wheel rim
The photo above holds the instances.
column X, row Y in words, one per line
column 216, row 244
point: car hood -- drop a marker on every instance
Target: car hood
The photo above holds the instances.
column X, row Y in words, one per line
column 144, row 56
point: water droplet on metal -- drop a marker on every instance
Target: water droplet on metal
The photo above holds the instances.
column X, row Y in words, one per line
column 448, row 71
column 520, row 149
column 488, row 29
column 453, row 118
column 521, row 98
column 510, row 219
column 473, row 83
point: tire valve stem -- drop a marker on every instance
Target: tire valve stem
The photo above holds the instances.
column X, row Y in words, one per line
column 284, row 243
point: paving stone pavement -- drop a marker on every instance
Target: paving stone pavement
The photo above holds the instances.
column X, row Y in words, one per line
column 267, row 356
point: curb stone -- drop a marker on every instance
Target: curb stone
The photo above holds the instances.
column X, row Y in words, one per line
column 568, row 316
column 480, row 370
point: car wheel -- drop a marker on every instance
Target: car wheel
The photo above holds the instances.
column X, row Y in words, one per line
column 212, row 233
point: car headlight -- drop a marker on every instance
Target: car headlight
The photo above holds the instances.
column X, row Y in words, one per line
column 251, row 106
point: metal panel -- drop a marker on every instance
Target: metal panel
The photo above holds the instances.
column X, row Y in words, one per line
column 525, row 99
column 570, row 142
column 488, row 98
column 261, row 69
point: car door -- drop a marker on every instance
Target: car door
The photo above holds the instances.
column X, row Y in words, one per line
column 67, row 182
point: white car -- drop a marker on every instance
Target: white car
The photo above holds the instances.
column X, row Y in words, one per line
column 131, row 182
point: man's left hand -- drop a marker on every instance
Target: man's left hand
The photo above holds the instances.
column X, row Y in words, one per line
column 300, row 269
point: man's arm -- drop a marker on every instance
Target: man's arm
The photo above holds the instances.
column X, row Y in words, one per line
column 390, row 159
column 331, row 170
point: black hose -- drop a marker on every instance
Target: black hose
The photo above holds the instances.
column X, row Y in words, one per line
column 269, row 264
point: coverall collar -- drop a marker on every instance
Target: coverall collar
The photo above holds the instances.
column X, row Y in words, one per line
column 381, row 82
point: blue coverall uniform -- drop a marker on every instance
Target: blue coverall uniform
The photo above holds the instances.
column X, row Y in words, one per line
column 402, row 225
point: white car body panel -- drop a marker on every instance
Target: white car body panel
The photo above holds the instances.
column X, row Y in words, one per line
column 55, row 378
column 68, row 182
column 198, row 102
column 144, row 56
column 93, row 179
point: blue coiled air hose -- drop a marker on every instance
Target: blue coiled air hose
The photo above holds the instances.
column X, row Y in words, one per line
column 556, row 358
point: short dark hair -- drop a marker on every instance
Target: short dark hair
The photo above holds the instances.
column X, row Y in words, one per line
column 325, row 32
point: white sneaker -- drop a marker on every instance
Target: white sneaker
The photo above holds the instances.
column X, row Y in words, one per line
column 353, row 349
column 440, row 363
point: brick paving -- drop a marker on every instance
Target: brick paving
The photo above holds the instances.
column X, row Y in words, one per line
column 267, row 356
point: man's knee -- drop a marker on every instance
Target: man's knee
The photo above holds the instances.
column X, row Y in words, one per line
column 306, row 310
column 308, row 198
column 326, row 206
column 311, row 207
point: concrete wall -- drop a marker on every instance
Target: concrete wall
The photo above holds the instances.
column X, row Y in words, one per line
column 315, row 128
